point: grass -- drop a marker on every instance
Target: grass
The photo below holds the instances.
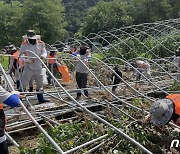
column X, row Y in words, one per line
column 4, row 62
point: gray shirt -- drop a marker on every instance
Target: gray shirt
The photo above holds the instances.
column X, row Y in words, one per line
column 80, row 66
column 4, row 94
column 38, row 49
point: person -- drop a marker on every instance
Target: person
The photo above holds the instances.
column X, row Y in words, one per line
column 142, row 66
column 52, row 63
column 81, row 71
column 33, row 66
column 115, row 78
column 11, row 100
column 72, row 49
column 165, row 110
column 14, row 62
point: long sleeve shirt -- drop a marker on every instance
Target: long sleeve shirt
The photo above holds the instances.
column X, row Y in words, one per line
column 38, row 49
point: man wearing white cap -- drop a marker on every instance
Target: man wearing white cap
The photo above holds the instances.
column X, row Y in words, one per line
column 165, row 110
column 33, row 66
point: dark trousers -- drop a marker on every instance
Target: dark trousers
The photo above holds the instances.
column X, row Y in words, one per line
column 81, row 79
column 53, row 69
column 114, row 87
column 4, row 148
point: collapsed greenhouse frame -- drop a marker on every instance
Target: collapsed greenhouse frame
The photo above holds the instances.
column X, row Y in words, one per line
column 164, row 28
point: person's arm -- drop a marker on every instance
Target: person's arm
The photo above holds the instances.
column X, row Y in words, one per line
column 89, row 54
column 11, row 60
column 22, row 50
column 147, row 118
column 8, row 98
column 43, row 52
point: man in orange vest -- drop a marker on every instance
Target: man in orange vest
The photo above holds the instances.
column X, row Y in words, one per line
column 14, row 64
column 12, row 100
column 165, row 110
column 52, row 63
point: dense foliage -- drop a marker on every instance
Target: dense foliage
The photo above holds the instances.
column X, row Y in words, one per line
column 45, row 17
column 70, row 135
column 58, row 20
column 118, row 13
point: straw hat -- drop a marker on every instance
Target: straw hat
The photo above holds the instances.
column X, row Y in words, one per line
column 161, row 112
column 31, row 35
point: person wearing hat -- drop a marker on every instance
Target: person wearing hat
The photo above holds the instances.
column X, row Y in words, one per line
column 14, row 62
column 33, row 66
column 81, row 71
column 52, row 63
column 12, row 100
column 116, row 80
column 165, row 110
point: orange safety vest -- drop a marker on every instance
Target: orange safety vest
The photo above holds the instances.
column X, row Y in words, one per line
column 175, row 98
column 51, row 61
column 63, row 69
column 16, row 55
column 1, row 106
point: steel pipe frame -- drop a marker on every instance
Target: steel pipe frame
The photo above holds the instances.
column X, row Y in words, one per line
column 127, row 33
column 140, row 73
column 87, row 143
column 121, row 100
column 32, row 118
column 102, row 104
column 91, row 113
column 158, row 66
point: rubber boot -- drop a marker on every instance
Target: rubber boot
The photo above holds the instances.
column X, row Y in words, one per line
column 41, row 98
column 78, row 96
column 30, row 89
column 18, row 84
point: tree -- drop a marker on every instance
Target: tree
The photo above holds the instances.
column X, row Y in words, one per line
column 9, row 22
column 45, row 17
column 144, row 11
column 105, row 16
column 75, row 11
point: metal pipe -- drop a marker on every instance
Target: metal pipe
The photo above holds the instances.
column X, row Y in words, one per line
column 85, row 144
column 12, row 140
column 91, row 113
column 32, row 118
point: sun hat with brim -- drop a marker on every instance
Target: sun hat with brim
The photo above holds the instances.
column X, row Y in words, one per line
column 31, row 35
column 161, row 112
column 12, row 47
column 53, row 49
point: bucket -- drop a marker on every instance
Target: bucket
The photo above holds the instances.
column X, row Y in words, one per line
column 45, row 81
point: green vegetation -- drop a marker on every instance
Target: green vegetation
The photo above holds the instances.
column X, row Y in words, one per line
column 75, row 133
column 4, row 62
column 61, row 19
column 174, row 87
